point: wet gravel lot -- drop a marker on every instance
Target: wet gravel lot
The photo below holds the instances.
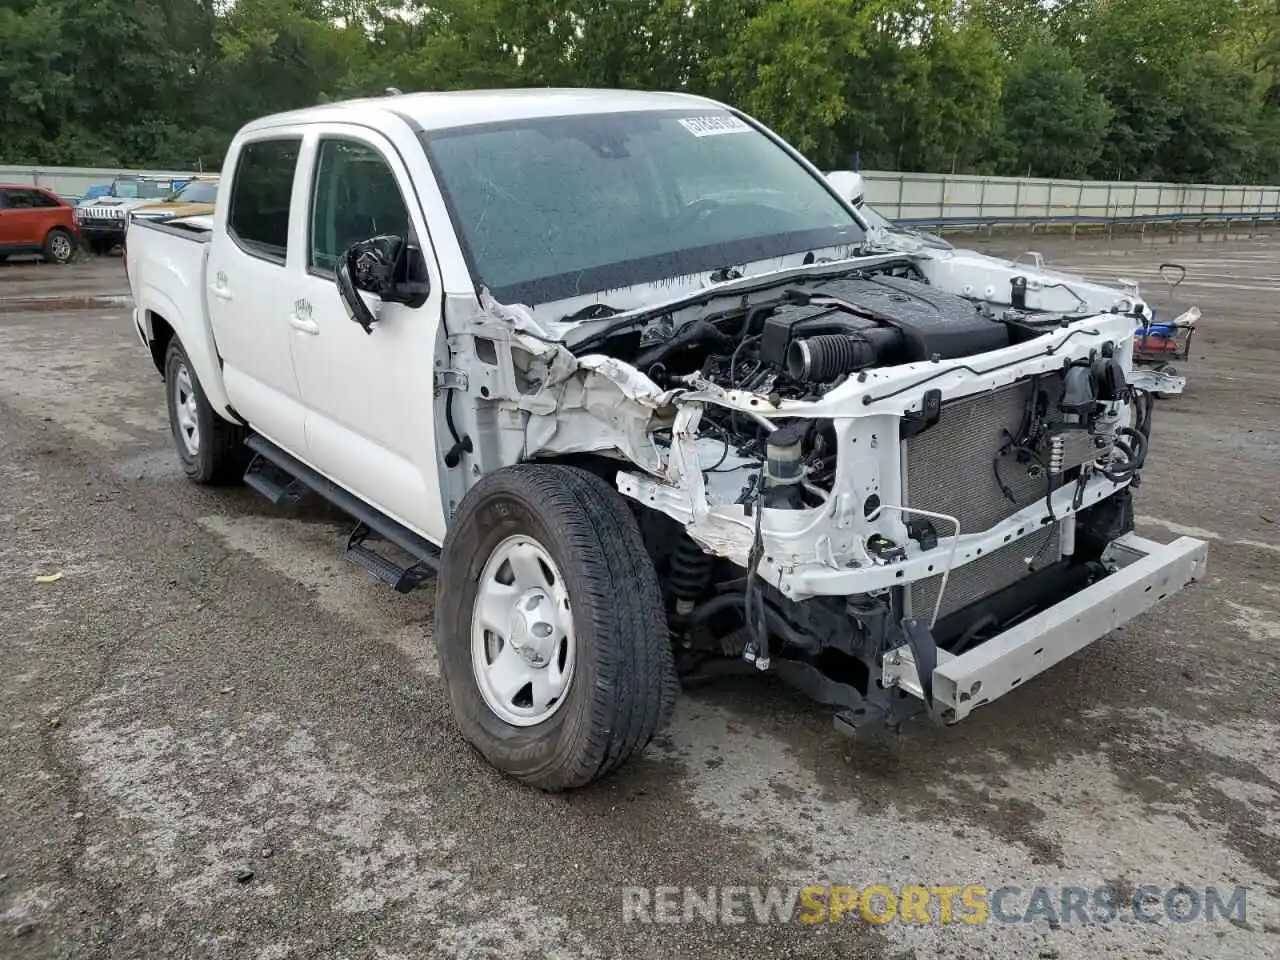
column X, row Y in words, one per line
column 222, row 741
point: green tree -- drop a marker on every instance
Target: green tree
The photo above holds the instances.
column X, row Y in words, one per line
column 1192, row 87
column 785, row 65
column 1211, row 137
column 956, row 105
column 1053, row 123
column 1139, row 54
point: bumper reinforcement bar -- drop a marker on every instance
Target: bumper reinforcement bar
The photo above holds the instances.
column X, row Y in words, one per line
column 1147, row 572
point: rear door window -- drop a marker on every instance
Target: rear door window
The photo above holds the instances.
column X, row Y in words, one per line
column 258, row 211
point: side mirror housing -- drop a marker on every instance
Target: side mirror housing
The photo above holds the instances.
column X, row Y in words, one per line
column 389, row 267
column 849, row 184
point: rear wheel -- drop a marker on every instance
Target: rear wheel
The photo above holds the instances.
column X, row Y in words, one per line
column 59, row 246
column 211, row 449
column 550, row 627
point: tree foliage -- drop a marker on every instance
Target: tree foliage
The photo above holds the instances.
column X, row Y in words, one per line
column 1155, row 89
column 1053, row 121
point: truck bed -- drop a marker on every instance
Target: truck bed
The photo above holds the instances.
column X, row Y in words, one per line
column 166, row 262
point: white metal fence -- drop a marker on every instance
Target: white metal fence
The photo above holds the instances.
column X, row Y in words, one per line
column 914, row 196
column 910, row 196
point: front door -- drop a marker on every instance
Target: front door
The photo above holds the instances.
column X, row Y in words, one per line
column 20, row 218
column 251, row 301
column 369, row 396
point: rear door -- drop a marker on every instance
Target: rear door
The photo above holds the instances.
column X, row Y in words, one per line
column 49, row 213
column 250, row 286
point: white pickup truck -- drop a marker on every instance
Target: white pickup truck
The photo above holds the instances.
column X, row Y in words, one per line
column 640, row 390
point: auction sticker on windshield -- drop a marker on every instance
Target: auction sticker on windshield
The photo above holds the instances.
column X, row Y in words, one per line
column 713, row 126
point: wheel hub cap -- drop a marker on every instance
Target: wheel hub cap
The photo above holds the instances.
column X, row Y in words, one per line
column 522, row 637
column 185, row 410
column 534, row 627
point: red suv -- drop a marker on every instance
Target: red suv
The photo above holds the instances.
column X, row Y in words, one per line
column 33, row 220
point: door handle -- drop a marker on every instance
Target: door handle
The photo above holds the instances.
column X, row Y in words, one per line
column 219, row 287
column 303, row 324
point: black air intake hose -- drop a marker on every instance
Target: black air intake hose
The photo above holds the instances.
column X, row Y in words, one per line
column 822, row 358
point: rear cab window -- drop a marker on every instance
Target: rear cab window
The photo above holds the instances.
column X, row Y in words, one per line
column 261, row 189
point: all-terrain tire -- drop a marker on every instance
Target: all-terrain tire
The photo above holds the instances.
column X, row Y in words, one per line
column 219, row 455
column 624, row 684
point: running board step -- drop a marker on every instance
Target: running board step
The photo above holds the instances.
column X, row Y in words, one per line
column 382, row 567
column 272, row 482
column 279, row 476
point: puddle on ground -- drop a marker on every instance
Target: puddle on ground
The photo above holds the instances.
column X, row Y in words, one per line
column 59, row 303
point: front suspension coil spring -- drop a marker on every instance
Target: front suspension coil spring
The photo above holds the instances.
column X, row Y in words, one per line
column 1057, row 454
column 689, row 574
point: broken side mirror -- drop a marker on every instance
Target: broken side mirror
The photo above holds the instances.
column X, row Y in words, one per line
column 849, row 184
column 389, row 267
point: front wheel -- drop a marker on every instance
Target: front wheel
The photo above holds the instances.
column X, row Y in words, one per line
column 550, row 627
column 211, row 449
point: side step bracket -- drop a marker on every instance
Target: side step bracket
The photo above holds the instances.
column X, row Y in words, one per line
column 280, row 476
column 272, row 482
column 382, row 567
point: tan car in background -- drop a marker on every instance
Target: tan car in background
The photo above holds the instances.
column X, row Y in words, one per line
column 195, row 197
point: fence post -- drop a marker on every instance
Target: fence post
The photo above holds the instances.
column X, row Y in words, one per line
column 942, row 199
column 901, row 178
column 1108, row 210
column 1017, row 197
column 982, row 198
column 1160, row 200
column 1080, row 201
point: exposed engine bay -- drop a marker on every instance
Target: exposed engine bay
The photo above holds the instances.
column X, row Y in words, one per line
column 810, row 339
column 849, row 462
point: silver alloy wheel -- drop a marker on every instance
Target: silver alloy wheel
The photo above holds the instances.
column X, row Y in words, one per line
column 184, row 406
column 522, row 639
column 60, row 247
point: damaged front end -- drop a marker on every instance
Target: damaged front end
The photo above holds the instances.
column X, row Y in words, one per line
column 852, row 476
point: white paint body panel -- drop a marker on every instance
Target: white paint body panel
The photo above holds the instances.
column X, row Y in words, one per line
column 167, row 280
